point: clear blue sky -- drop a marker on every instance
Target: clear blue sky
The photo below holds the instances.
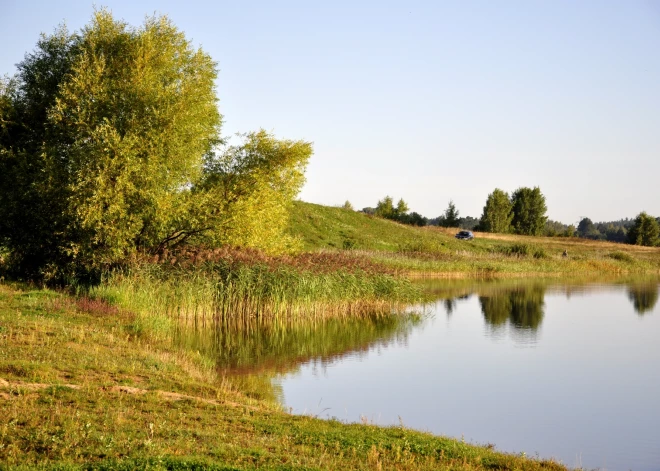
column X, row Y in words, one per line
column 428, row 101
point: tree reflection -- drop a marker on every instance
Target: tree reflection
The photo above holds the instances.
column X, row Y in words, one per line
column 522, row 306
column 450, row 305
column 644, row 297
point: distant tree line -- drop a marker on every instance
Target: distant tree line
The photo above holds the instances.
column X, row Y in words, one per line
column 400, row 213
column 643, row 230
column 524, row 212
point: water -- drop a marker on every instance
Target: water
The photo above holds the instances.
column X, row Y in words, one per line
column 563, row 371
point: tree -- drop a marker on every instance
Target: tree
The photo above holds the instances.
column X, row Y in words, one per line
column 414, row 219
column 401, row 208
column 497, row 213
column 570, row 231
column 347, row 205
column 386, row 209
column 250, row 187
column 644, row 231
column 109, row 147
column 554, row 228
column 111, row 125
column 528, row 206
column 451, row 218
column 587, row 229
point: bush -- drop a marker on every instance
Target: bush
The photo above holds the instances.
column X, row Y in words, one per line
column 621, row 256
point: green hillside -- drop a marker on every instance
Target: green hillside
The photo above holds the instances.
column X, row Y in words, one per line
column 436, row 250
column 325, row 227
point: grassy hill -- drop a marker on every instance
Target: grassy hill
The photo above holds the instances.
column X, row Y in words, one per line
column 434, row 250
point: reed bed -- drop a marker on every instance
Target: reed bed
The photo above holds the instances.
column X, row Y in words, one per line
column 240, row 286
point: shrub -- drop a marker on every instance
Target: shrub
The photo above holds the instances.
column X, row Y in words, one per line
column 621, row 256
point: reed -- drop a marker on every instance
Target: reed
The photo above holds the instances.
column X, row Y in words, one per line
column 242, row 287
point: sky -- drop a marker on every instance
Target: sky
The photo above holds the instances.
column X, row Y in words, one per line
column 429, row 101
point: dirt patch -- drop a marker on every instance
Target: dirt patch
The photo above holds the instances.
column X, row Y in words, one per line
column 170, row 396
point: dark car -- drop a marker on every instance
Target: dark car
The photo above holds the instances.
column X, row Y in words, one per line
column 465, row 235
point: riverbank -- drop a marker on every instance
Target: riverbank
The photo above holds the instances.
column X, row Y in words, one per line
column 82, row 389
column 434, row 251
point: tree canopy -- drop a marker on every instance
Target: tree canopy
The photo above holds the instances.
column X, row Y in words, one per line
column 451, row 218
column 528, row 206
column 644, row 231
column 109, row 146
column 497, row 214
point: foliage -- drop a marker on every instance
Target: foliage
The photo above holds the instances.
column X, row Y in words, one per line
column 451, row 218
column 108, row 148
column 497, row 214
column 570, row 231
column 413, row 219
column 401, row 207
column 528, row 206
column 347, row 205
column 621, row 256
column 556, row 229
column 110, row 128
column 587, row 229
column 644, row 231
column 386, row 209
column 250, row 187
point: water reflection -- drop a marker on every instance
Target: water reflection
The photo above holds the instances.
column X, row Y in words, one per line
column 591, row 366
column 521, row 304
column 522, row 307
column 250, row 355
column 643, row 296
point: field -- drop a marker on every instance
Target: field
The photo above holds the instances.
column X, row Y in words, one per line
column 433, row 251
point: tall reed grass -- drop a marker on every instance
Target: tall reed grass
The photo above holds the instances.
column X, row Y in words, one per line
column 235, row 287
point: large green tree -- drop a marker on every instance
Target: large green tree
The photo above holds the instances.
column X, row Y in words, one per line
column 497, row 214
column 644, row 231
column 109, row 147
column 110, row 127
column 528, row 206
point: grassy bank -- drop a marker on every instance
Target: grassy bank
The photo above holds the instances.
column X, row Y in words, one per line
column 434, row 251
column 79, row 389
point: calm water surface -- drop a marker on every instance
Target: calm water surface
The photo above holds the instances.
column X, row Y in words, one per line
column 562, row 371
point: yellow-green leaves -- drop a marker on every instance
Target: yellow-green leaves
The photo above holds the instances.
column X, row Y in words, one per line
column 251, row 186
column 140, row 111
column 107, row 148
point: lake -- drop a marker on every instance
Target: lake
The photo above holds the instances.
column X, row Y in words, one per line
column 559, row 370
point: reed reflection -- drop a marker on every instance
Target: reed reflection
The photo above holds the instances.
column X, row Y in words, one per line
column 252, row 354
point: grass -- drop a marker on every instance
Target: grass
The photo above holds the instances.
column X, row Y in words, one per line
column 433, row 251
column 239, row 287
column 112, row 380
column 79, row 389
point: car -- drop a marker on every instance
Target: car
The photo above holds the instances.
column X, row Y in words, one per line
column 465, row 235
